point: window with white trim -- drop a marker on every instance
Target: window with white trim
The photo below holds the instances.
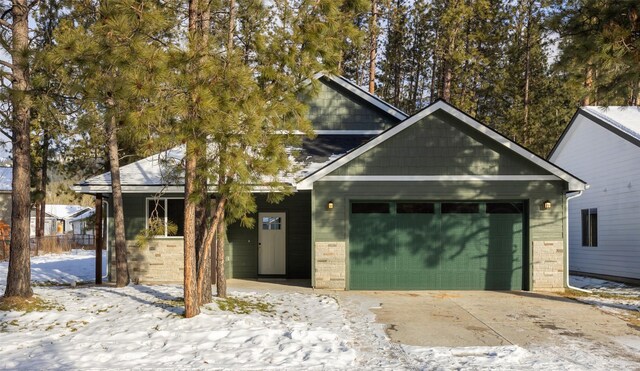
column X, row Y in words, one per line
column 589, row 227
column 169, row 214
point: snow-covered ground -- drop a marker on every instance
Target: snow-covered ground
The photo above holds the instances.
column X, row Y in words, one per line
column 612, row 297
column 141, row 327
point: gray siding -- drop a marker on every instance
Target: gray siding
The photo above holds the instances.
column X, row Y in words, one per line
column 242, row 247
column 439, row 144
column 334, row 108
column 243, row 242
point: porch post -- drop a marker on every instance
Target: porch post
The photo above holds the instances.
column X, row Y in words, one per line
column 97, row 234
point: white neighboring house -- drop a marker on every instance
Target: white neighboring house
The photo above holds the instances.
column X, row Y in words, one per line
column 58, row 218
column 601, row 145
column 83, row 224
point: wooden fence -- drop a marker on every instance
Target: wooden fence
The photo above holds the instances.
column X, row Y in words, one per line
column 48, row 244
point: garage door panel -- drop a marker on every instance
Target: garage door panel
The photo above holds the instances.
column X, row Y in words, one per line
column 454, row 246
column 372, row 253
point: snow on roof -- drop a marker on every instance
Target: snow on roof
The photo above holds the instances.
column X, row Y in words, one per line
column 83, row 215
column 625, row 118
column 158, row 169
column 64, row 211
column 164, row 170
column 6, row 176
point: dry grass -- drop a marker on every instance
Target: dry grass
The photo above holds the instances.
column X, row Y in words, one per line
column 241, row 306
column 32, row 304
column 572, row 294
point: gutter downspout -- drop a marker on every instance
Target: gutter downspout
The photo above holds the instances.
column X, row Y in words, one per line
column 566, row 267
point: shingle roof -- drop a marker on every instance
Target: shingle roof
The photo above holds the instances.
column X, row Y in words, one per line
column 163, row 169
column 625, row 118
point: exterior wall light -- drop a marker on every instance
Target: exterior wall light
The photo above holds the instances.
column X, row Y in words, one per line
column 546, row 205
column 330, row 205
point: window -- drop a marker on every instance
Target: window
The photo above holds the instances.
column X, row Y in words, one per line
column 504, row 208
column 460, row 208
column 271, row 223
column 589, row 227
column 415, row 208
column 370, row 208
column 168, row 212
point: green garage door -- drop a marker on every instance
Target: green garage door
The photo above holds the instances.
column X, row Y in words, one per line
column 436, row 245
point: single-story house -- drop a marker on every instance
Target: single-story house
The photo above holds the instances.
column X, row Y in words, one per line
column 436, row 200
column 602, row 146
column 57, row 218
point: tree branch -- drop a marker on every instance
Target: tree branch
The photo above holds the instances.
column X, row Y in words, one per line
column 5, row 24
column 6, row 134
column 6, row 64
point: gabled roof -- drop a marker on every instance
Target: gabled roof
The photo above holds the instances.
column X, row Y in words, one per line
column 65, row 211
column 163, row 171
column 623, row 121
column 160, row 173
column 574, row 182
column 363, row 94
column 152, row 171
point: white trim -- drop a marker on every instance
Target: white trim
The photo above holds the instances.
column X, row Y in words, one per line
column 166, row 217
column 574, row 183
column 435, row 178
column 128, row 189
column 333, row 132
column 348, row 132
column 92, row 189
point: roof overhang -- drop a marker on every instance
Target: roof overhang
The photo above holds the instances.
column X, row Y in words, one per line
column 156, row 189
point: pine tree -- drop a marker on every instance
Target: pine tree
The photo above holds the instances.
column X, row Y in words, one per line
column 96, row 45
column 238, row 87
column 600, row 49
column 15, row 41
column 393, row 66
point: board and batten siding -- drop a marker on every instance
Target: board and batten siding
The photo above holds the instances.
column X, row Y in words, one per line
column 611, row 167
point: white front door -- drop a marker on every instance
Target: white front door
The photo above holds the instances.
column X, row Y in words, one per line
column 272, row 243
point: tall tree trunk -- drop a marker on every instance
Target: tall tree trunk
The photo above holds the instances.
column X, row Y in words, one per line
column 41, row 188
column 434, row 71
column 373, row 45
column 190, row 271
column 588, row 84
column 122, row 269
column 19, row 274
column 204, row 256
column 203, row 209
column 527, row 76
column 232, row 25
column 447, row 74
column 221, row 285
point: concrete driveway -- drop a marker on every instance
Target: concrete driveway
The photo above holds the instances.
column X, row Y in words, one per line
column 489, row 318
